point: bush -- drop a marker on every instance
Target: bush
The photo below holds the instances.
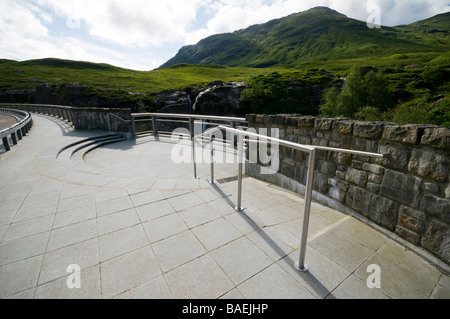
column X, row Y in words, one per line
column 360, row 90
column 369, row 113
column 415, row 113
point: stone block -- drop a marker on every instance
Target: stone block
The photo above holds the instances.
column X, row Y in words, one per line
column 435, row 206
column 403, row 134
column 411, row 223
column 250, row 118
column 383, row 211
column 372, row 178
column 374, row 188
column 357, row 177
column 340, row 175
column 417, row 215
column 323, row 124
column 326, row 168
column 358, row 199
column 408, row 235
column 368, row 130
column 373, row 168
column 259, row 118
column 397, row 156
column 431, row 187
column 436, row 239
column 357, row 164
column 287, row 170
column 291, row 121
column 343, row 159
column 343, row 127
column 306, row 121
column 437, row 137
column 279, row 120
column 430, row 164
column 401, row 187
column 320, row 182
column 365, row 145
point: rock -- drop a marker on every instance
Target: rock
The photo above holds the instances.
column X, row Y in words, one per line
column 358, row 199
column 222, row 99
column 435, row 206
column 407, row 234
column 411, row 223
column 437, row 137
column 383, row 211
column 357, row 177
column 430, row 164
column 401, row 187
column 396, row 155
column 437, row 239
column 403, row 134
column 373, row 168
column 343, row 127
column 368, row 130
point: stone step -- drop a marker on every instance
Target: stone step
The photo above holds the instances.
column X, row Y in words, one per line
column 68, row 152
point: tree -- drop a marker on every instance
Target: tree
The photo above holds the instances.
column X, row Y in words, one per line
column 361, row 89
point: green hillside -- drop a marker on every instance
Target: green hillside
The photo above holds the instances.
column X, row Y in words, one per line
column 319, row 34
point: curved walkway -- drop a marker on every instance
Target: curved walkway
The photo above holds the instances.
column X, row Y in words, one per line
column 6, row 121
column 137, row 225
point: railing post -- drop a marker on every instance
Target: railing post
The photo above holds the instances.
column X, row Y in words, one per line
column 240, row 166
column 212, row 160
column 155, row 129
column 14, row 138
column 133, row 127
column 194, row 159
column 6, row 144
column 300, row 265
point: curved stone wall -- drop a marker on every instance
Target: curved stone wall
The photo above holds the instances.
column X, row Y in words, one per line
column 407, row 192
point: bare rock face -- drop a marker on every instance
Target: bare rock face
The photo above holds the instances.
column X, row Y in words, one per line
column 221, row 99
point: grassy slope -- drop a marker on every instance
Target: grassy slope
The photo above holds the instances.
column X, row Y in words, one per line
column 28, row 74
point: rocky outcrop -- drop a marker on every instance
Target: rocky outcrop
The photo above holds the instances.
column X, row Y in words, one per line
column 221, row 99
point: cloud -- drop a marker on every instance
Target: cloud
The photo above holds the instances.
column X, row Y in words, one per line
column 232, row 15
column 131, row 23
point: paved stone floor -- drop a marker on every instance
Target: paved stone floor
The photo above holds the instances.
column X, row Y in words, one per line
column 139, row 226
column 6, row 121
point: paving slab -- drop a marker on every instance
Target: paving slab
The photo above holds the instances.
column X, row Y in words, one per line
column 139, row 226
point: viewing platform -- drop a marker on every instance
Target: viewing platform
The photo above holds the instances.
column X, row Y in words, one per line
column 139, row 225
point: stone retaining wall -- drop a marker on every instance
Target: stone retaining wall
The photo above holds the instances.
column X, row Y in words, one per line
column 407, row 192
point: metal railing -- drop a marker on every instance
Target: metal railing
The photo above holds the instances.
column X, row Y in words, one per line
column 60, row 111
column 188, row 119
column 191, row 120
column 309, row 149
column 17, row 130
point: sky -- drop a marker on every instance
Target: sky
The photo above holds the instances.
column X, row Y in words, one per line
column 144, row 34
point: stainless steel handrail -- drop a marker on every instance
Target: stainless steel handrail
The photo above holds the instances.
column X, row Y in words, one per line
column 17, row 130
column 155, row 117
column 310, row 149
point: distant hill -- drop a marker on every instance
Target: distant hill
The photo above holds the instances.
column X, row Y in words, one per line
column 317, row 34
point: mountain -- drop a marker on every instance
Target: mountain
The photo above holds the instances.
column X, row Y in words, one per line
column 316, row 34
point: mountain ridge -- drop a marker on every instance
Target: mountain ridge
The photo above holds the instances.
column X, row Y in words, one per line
column 316, row 34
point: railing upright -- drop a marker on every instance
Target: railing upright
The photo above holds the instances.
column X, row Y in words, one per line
column 311, row 150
